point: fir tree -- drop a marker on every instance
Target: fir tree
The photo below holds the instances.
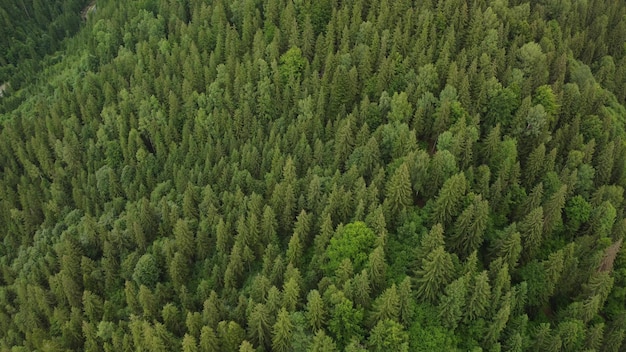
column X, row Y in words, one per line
column 435, row 272
column 281, row 332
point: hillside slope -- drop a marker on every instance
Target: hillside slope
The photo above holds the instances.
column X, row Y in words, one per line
column 320, row 175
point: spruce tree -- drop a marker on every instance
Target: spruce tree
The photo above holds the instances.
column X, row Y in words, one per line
column 281, row 332
column 315, row 310
column 436, row 271
column 447, row 204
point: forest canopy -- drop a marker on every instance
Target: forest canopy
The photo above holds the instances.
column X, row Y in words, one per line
column 313, row 175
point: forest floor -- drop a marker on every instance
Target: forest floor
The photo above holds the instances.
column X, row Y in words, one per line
column 87, row 10
column 3, row 87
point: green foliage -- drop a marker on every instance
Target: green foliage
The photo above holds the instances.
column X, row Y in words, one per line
column 577, row 212
column 449, row 199
column 146, row 271
column 426, row 334
column 291, row 64
column 354, row 242
column 312, row 175
column 388, row 335
column 435, row 273
column 281, row 339
column 345, row 321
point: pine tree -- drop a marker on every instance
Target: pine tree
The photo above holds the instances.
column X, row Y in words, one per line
column 435, row 273
column 294, row 249
column 552, row 210
column 172, row 318
column 388, row 335
column 553, row 268
column 595, row 333
column 246, row 347
column 184, row 239
column 470, row 226
column 322, row 343
column 399, row 194
column 208, row 340
column 211, row 310
column 148, row 302
column 479, row 297
column 281, row 332
column 344, row 272
column 531, row 202
column 259, row 327
column 604, row 164
column 291, row 295
column 531, row 232
column 442, row 166
column 498, row 323
column 179, row 270
column 447, row 204
column 230, row 335
column 431, row 240
column 452, row 303
column 534, row 164
column 362, row 289
column 405, row 297
column 189, row 344
column 268, row 225
column 377, row 267
column 509, row 246
column 315, row 310
column 193, row 322
column 386, row 306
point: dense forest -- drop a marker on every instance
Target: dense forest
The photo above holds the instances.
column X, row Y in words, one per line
column 313, row 175
column 30, row 29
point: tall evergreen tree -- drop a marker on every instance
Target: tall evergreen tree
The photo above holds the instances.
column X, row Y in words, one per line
column 447, row 204
column 281, row 332
column 435, row 273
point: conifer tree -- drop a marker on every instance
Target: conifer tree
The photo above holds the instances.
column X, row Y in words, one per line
column 453, row 303
column 534, row 165
column 281, row 332
column 442, row 166
column 552, row 210
column 315, row 310
column 189, row 344
column 294, row 249
column 388, row 335
column 447, row 204
column 246, row 347
column 399, row 194
column 230, row 335
column 184, row 239
column 431, row 240
column 323, row 343
column 470, row 226
column 386, row 306
column 291, row 295
column 479, row 297
column 498, row 323
column 509, row 246
column 435, row 273
column 531, row 232
column 362, row 288
column 377, row 267
column 259, row 327
column 604, row 165
column 405, row 297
